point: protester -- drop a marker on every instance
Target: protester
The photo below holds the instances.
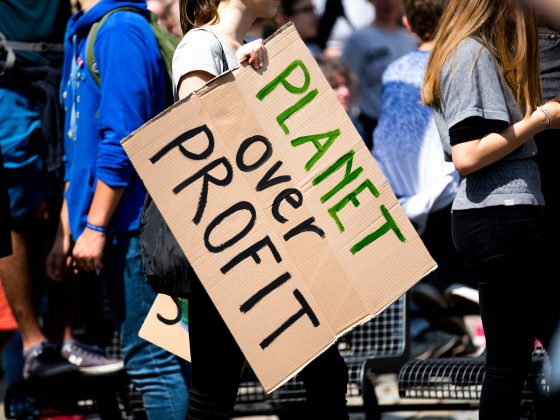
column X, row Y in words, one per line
column 104, row 195
column 31, row 34
column 408, row 151
column 305, row 18
column 168, row 14
column 213, row 43
column 350, row 16
column 343, row 84
column 368, row 52
column 482, row 83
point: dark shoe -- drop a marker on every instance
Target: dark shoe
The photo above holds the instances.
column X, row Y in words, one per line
column 43, row 360
column 89, row 360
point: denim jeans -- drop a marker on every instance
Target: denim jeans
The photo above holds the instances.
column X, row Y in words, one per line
column 161, row 377
column 518, row 299
column 549, row 46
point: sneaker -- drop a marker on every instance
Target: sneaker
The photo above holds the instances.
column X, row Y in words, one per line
column 89, row 359
column 43, row 360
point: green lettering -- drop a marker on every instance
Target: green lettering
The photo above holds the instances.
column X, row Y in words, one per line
column 351, row 198
column 372, row 237
column 349, row 175
column 295, row 108
column 321, row 148
column 282, row 79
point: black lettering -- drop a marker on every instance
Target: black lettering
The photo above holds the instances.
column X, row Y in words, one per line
column 178, row 142
column 166, row 321
column 243, row 205
column 305, row 226
column 267, row 182
column 252, row 252
column 305, row 310
column 240, row 157
column 261, row 294
column 291, row 196
column 204, row 173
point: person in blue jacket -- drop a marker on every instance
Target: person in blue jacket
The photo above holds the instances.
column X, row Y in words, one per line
column 104, row 195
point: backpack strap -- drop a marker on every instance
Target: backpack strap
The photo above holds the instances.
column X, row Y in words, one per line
column 224, row 59
column 90, row 41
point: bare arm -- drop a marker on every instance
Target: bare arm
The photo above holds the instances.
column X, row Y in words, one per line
column 471, row 156
column 191, row 82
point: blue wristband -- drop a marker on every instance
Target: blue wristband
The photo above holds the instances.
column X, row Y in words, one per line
column 101, row 229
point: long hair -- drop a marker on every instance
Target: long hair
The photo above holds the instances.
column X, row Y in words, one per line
column 196, row 13
column 507, row 28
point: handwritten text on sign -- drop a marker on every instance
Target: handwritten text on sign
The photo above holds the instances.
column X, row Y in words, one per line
column 280, row 209
column 218, row 173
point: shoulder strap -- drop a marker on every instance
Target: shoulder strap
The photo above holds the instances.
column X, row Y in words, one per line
column 90, row 41
column 224, row 59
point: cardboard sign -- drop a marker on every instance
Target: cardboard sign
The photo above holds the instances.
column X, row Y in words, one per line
column 167, row 326
column 279, row 207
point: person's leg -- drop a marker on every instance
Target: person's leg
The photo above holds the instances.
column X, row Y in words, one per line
column 508, row 342
column 326, row 380
column 497, row 243
column 16, row 274
column 161, row 377
column 217, row 360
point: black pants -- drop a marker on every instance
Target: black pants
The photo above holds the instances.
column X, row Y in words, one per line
column 217, row 364
column 518, row 302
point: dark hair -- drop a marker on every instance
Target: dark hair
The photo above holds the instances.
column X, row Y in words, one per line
column 195, row 13
column 423, row 16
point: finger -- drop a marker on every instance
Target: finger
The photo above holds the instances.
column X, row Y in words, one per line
column 68, row 262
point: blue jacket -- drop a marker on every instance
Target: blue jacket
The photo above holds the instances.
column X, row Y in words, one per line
column 97, row 119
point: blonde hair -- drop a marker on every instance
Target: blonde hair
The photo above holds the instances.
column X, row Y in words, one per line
column 508, row 29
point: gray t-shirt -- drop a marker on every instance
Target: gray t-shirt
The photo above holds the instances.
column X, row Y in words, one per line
column 472, row 85
column 201, row 50
column 368, row 52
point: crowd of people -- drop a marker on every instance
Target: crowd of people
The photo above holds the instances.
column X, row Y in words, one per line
column 457, row 100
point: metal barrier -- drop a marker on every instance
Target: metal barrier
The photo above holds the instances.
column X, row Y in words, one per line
column 460, row 378
column 382, row 338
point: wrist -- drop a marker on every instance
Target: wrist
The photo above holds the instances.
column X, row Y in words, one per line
column 96, row 228
column 542, row 119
